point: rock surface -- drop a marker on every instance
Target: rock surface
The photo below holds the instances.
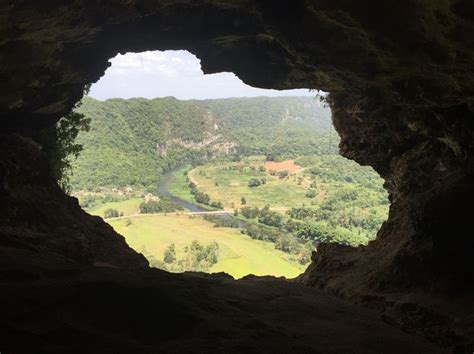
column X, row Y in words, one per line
column 38, row 221
column 401, row 78
column 104, row 310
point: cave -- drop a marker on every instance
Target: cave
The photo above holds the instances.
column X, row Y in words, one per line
column 400, row 78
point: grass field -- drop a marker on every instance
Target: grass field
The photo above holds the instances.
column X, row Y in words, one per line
column 229, row 186
column 239, row 255
column 127, row 207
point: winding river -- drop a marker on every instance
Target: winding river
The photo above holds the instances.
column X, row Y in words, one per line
column 163, row 191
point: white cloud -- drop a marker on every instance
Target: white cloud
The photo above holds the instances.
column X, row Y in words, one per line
column 172, row 73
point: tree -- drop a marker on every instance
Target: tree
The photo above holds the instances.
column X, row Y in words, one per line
column 310, row 193
column 217, row 205
column 254, row 182
column 170, row 254
column 164, row 205
column 270, row 218
column 283, row 174
column 111, row 213
column 211, row 251
column 271, row 157
column 202, row 198
column 283, row 243
column 59, row 144
column 249, row 212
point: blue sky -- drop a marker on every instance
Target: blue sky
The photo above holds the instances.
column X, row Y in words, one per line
column 172, row 73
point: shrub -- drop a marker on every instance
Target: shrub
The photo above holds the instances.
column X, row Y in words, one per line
column 249, row 212
column 217, row 205
column 220, row 221
column 111, row 213
column 254, row 182
column 310, row 193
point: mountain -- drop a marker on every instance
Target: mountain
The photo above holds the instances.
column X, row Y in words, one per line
column 132, row 142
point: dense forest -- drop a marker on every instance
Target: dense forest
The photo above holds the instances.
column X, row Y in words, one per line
column 131, row 142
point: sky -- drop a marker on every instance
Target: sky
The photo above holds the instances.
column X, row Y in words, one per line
column 173, row 73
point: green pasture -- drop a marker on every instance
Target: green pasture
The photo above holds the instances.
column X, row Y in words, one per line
column 239, row 255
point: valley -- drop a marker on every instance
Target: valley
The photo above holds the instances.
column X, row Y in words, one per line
column 243, row 237
column 260, row 206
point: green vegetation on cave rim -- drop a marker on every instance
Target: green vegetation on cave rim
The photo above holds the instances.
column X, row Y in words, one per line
column 271, row 164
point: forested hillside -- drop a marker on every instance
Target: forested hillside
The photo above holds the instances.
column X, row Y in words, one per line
column 131, row 142
column 270, row 163
column 285, row 126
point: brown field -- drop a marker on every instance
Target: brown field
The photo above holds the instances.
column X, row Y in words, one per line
column 281, row 166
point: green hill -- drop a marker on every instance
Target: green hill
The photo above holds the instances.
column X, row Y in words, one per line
column 131, row 142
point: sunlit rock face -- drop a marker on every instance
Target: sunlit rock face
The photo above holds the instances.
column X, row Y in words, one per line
column 401, row 78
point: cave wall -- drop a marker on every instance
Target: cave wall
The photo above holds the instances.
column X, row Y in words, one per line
column 41, row 228
column 401, row 78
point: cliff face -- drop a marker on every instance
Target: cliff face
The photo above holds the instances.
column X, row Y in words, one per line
column 401, row 78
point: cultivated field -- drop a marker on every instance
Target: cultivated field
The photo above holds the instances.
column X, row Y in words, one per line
column 288, row 165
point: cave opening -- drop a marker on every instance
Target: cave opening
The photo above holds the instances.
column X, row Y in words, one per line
column 400, row 77
column 205, row 173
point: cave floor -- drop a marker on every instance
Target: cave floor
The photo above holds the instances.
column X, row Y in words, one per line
column 106, row 310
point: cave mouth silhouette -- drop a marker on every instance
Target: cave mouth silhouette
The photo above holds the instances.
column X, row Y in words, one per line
column 400, row 83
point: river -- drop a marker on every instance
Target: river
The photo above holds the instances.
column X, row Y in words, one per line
column 163, row 191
